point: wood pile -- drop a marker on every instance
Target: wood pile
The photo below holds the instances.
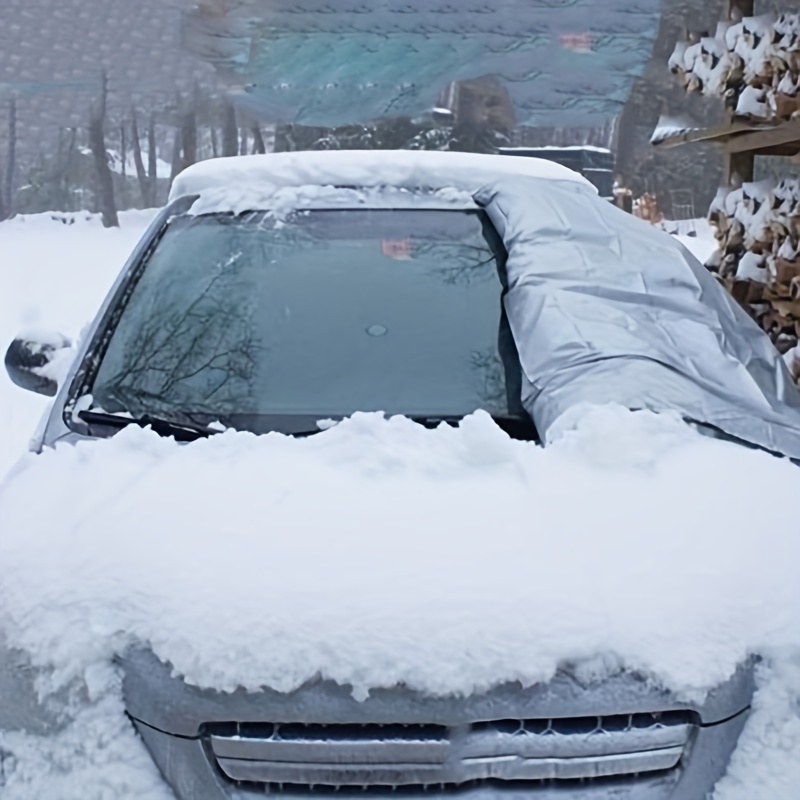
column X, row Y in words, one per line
column 646, row 208
column 754, row 64
column 757, row 227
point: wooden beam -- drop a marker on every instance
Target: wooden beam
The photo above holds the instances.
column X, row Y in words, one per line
column 719, row 134
column 782, row 136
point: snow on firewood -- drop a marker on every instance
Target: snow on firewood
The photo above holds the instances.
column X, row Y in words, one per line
column 757, row 229
column 754, row 64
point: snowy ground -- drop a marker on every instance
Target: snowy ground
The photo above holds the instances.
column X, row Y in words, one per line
column 660, row 507
column 52, row 276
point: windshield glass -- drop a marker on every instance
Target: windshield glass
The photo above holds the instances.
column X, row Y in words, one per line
column 275, row 324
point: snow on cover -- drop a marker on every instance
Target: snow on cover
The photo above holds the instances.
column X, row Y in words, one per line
column 378, row 552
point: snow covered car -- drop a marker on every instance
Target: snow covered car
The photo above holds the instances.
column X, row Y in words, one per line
column 279, row 291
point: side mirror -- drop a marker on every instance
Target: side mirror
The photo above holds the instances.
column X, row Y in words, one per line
column 37, row 362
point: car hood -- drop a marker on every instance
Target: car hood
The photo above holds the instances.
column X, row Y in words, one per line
column 157, row 696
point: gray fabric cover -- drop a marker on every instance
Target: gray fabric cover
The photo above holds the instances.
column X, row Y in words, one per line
column 605, row 308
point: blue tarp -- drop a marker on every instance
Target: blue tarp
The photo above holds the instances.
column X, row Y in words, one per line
column 565, row 63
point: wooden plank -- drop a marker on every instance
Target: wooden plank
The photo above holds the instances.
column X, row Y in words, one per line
column 718, row 134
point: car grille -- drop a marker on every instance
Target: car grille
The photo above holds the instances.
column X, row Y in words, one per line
column 396, row 756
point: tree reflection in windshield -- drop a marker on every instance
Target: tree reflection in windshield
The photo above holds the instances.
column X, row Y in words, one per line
column 193, row 342
column 318, row 313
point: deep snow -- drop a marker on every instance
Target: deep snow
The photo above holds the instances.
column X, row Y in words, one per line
column 55, row 270
column 429, row 554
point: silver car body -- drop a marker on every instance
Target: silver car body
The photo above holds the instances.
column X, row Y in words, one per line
column 621, row 738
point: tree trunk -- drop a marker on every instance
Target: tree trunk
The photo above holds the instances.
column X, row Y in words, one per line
column 97, row 144
column 123, row 151
column 214, row 145
column 65, row 164
column 141, row 175
column 258, row 141
column 152, row 160
column 243, row 142
column 230, row 133
column 189, row 138
column 7, row 187
column 177, row 158
column 3, row 215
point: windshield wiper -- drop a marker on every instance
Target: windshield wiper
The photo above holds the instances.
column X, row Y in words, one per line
column 181, row 431
column 515, row 427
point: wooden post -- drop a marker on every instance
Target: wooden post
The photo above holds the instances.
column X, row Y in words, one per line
column 737, row 9
column 739, row 168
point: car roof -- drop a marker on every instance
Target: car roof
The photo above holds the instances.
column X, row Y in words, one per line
column 224, row 178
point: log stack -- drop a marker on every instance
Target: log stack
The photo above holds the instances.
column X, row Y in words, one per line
column 754, row 64
column 757, row 227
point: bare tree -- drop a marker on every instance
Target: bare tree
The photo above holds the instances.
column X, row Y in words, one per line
column 152, row 159
column 7, row 186
column 189, row 137
column 259, row 145
column 123, row 150
column 177, row 156
column 230, row 132
column 141, row 175
column 97, row 144
column 3, row 214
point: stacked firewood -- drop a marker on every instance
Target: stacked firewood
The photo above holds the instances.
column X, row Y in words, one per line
column 754, row 64
column 646, row 208
column 757, row 228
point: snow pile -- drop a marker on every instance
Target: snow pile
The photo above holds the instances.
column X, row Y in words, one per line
column 55, row 269
column 696, row 235
column 753, row 63
column 379, row 552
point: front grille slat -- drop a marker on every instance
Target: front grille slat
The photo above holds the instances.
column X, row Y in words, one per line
column 331, row 752
column 331, row 774
column 596, row 744
column 543, row 769
column 372, row 755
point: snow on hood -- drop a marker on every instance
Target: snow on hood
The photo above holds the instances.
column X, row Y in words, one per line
column 378, row 552
column 225, row 183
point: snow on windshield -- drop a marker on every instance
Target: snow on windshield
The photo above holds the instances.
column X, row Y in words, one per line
column 380, row 552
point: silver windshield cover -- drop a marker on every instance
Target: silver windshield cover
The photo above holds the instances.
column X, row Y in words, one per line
column 606, row 309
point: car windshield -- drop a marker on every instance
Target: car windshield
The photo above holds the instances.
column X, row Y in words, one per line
column 273, row 324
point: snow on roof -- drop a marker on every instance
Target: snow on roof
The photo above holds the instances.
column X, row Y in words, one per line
column 225, row 178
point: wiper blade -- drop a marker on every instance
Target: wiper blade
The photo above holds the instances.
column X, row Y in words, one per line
column 181, row 431
column 516, row 427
